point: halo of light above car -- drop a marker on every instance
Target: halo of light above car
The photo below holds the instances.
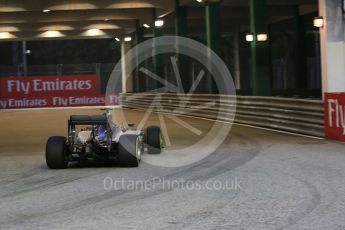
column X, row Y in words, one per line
column 318, row 22
column 262, row 37
column 127, row 39
column 249, row 37
column 159, row 23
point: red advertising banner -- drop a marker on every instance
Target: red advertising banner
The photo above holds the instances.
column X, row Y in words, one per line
column 335, row 116
column 52, row 91
column 49, row 86
column 58, row 101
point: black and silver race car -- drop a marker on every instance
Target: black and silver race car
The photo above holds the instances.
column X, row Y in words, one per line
column 98, row 138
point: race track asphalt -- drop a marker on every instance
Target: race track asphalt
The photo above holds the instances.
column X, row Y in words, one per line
column 257, row 179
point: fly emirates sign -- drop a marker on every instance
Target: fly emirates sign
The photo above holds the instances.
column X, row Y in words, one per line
column 335, row 116
column 49, row 86
column 52, row 91
column 38, row 86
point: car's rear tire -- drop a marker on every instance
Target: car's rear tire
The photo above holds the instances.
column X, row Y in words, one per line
column 129, row 151
column 154, row 140
column 56, row 153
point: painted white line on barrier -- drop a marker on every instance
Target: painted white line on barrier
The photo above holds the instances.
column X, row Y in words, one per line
column 280, row 131
column 243, row 125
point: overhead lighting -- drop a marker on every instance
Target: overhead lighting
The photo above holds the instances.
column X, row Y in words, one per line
column 51, row 34
column 60, row 27
column 159, row 23
column 10, row 28
column 249, row 37
column 6, row 35
column 28, row 52
column 106, row 19
column 117, row 39
column 94, row 32
column 146, row 25
column 127, row 39
column 318, row 22
column 262, row 37
column 46, row 11
column 199, row 1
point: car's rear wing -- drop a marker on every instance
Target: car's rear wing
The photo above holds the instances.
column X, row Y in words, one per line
column 88, row 120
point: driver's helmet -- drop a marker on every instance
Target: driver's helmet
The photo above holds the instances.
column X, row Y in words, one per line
column 101, row 133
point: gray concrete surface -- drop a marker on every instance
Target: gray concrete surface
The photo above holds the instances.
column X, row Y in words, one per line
column 283, row 182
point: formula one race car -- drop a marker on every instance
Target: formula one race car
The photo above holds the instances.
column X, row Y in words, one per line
column 98, row 138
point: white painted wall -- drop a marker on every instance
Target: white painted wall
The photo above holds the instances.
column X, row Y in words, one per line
column 332, row 46
column 127, row 82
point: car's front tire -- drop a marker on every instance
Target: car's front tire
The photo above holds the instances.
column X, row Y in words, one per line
column 56, row 153
column 129, row 151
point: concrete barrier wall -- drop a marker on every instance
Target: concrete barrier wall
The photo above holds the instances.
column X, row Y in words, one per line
column 292, row 115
